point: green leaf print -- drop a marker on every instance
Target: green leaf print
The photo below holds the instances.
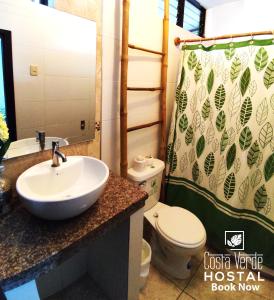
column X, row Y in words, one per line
column 195, row 171
column 230, row 156
column 189, row 135
column 229, row 53
column 269, row 167
column 262, row 112
column 169, row 153
column 220, row 120
column 229, row 186
column 220, row 97
column 272, row 102
column 253, row 154
column 173, row 164
column 261, row 59
column 246, row 111
column 234, row 101
column 260, row 198
column 269, row 74
column 224, row 141
column 198, row 72
column 182, row 79
column 200, row 146
column 210, row 81
column 178, row 90
column 206, row 109
column 243, row 190
column 209, row 163
column 245, row 80
column 245, row 138
column 235, row 69
column 179, row 87
column 256, row 178
column 192, row 60
column 266, row 135
column 221, row 170
column 182, row 102
column 183, row 123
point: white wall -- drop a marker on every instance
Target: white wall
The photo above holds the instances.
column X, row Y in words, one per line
column 240, row 16
column 61, row 96
column 145, row 30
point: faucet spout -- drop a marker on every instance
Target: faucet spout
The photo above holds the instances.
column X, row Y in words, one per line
column 56, row 154
column 41, row 138
column 61, row 155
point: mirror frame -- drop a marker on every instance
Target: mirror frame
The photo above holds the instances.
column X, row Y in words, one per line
column 8, row 82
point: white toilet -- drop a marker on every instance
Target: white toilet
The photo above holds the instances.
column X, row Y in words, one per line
column 178, row 234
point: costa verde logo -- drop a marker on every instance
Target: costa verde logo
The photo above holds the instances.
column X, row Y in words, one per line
column 219, row 269
column 234, row 240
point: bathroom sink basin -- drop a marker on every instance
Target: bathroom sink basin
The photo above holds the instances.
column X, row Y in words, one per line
column 31, row 145
column 65, row 191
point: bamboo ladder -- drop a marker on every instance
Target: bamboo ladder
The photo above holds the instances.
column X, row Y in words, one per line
column 124, row 129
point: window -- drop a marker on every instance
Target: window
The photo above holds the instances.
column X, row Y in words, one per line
column 49, row 3
column 7, row 106
column 188, row 14
column 2, row 93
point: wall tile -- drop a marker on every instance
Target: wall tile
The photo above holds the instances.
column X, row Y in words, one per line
column 28, row 88
column 112, row 18
column 110, row 59
column 80, row 87
column 30, row 116
column 111, row 103
column 56, row 88
column 110, row 147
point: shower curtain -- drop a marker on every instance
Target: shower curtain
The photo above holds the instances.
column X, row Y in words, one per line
column 221, row 147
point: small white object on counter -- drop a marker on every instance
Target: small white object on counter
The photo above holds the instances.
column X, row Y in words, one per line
column 139, row 163
column 149, row 179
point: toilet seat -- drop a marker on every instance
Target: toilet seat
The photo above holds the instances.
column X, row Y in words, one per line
column 180, row 227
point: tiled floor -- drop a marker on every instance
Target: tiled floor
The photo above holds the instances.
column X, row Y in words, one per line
column 161, row 287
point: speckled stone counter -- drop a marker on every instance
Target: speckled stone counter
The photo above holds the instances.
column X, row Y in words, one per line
column 30, row 246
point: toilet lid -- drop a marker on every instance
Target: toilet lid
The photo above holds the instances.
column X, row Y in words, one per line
column 180, row 226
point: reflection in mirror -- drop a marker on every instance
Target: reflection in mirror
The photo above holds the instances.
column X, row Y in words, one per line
column 7, row 109
column 54, row 68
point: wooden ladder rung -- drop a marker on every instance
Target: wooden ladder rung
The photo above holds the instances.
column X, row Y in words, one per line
column 145, row 49
column 144, row 88
column 144, row 126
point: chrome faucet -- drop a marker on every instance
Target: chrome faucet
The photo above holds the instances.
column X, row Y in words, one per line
column 41, row 138
column 56, row 154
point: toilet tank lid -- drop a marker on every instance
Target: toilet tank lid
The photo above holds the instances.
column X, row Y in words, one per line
column 154, row 167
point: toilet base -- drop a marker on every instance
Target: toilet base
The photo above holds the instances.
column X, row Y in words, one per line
column 176, row 267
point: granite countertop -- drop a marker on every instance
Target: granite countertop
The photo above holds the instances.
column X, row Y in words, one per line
column 30, row 246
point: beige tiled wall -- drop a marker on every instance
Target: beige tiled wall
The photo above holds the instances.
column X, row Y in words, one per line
column 82, row 8
column 145, row 30
column 63, row 92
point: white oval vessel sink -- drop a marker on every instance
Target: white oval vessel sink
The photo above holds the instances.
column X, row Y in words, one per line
column 65, row 191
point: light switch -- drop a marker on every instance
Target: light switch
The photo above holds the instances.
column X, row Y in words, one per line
column 33, row 70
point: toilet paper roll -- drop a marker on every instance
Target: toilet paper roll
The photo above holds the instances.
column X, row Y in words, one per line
column 139, row 163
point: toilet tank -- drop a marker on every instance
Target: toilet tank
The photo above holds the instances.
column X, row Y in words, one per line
column 149, row 179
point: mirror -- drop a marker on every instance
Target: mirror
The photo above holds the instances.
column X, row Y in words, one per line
column 52, row 56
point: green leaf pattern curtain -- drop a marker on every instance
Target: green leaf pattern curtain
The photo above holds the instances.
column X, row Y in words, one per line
column 221, row 146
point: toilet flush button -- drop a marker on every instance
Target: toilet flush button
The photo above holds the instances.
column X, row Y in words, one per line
column 155, row 215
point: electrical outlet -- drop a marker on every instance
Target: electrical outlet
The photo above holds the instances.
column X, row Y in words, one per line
column 83, row 124
column 34, row 70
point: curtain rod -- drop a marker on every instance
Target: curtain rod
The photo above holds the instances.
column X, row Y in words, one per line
column 177, row 40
